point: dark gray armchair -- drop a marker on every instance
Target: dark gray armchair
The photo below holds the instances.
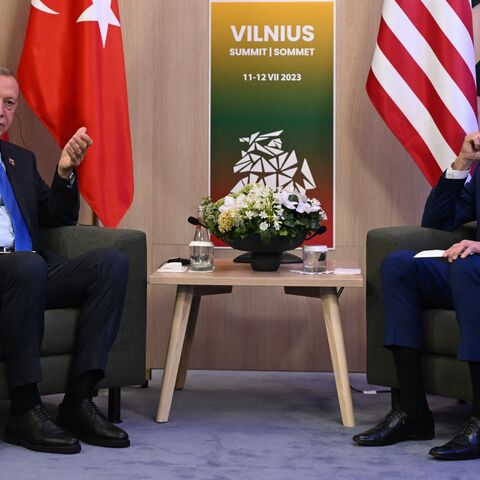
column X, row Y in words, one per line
column 443, row 373
column 126, row 365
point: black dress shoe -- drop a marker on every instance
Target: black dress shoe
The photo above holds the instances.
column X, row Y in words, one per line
column 35, row 430
column 396, row 427
column 465, row 445
column 89, row 424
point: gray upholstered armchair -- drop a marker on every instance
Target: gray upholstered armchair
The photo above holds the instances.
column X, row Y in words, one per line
column 126, row 365
column 443, row 373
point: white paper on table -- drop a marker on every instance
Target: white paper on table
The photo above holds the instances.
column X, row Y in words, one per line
column 430, row 254
column 172, row 267
column 337, row 271
column 303, row 272
column 347, row 271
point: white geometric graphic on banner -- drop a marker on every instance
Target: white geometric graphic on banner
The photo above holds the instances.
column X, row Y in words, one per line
column 264, row 161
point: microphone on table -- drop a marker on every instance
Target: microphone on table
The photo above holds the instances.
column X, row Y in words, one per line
column 319, row 231
column 195, row 221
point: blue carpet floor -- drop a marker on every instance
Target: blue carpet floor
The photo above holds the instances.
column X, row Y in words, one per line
column 247, row 426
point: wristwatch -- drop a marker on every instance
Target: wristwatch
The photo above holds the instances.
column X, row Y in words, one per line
column 71, row 178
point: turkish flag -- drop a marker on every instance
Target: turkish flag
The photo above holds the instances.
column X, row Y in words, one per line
column 72, row 74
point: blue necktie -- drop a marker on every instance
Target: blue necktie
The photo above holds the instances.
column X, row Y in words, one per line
column 22, row 236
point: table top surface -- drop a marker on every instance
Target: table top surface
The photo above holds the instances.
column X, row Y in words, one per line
column 229, row 273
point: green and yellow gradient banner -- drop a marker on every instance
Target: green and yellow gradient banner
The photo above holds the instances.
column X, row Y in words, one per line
column 272, row 92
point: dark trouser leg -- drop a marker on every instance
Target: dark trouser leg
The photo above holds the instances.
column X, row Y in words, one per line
column 408, row 286
column 465, row 283
column 23, row 287
column 464, row 276
column 96, row 282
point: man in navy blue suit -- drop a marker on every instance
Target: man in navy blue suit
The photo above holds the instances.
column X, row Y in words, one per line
column 32, row 279
column 409, row 285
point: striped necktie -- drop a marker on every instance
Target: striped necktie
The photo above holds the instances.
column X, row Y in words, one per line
column 22, row 236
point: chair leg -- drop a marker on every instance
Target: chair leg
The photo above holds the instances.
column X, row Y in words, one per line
column 395, row 396
column 148, row 378
column 114, row 404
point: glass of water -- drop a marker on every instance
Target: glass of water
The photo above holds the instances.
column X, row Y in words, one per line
column 201, row 256
column 315, row 258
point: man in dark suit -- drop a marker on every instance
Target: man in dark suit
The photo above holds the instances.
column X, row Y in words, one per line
column 410, row 285
column 32, row 279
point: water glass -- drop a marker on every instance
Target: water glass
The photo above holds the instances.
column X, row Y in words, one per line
column 315, row 258
column 201, row 256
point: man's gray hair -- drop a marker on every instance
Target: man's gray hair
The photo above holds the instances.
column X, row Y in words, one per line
column 6, row 72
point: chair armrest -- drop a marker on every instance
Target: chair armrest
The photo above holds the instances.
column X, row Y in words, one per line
column 381, row 242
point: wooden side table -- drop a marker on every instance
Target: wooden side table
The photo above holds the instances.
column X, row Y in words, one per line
column 192, row 286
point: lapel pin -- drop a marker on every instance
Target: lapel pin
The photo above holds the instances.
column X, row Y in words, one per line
column 11, row 161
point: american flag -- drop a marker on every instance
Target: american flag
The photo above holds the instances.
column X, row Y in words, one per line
column 422, row 78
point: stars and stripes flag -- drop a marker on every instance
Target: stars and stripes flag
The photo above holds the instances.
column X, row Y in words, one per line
column 72, row 74
column 422, row 78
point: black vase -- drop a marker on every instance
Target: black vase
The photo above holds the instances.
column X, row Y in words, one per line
column 265, row 257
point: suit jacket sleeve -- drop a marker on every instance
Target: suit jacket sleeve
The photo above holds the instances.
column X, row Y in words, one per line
column 451, row 203
column 58, row 205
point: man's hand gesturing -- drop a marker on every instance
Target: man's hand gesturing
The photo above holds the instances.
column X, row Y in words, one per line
column 74, row 152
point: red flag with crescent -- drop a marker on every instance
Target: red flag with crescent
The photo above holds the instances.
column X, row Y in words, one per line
column 72, row 74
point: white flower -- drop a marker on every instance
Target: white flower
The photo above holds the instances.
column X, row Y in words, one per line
column 263, row 226
column 305, row 207
column 235, row 203
column 279, row 212
column 263, row 214
column 282, row 199
column 228, row 204
column 240, row 202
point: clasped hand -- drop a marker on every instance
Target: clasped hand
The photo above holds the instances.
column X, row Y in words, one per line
column 74, row 152
column 469, row 153
column 462, row 249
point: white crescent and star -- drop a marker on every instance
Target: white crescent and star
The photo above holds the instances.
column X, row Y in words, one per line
column 100, row 11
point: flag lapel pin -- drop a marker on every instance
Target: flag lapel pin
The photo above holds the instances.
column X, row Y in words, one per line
column 11, row 161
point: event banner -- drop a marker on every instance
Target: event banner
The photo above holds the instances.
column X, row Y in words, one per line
column 272, row 98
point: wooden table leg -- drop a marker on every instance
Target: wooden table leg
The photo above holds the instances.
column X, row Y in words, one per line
column 331, row 315
column 181, row 312
column 187, row 345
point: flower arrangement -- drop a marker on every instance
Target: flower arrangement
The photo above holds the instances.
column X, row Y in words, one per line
column 266, row 211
